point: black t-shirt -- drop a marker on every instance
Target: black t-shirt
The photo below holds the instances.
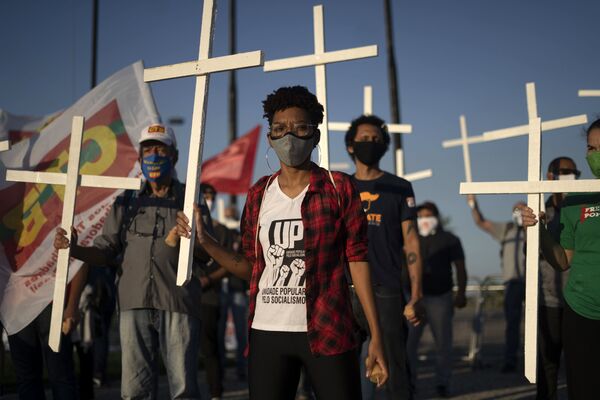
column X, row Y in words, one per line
column 387, row 201
column 438, row 252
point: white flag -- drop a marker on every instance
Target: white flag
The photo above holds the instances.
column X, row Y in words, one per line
column 115, row 113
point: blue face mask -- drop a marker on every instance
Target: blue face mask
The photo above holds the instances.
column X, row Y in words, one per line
column 156, row 167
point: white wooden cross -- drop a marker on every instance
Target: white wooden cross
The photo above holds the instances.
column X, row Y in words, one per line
column 534, row 188
column 319, row 59
column 392, row 128
column 464, row 141
column 201, row 69
column 4, row 145
column 71, row 181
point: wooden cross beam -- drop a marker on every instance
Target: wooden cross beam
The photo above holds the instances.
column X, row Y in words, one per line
column 534, row 188
column 319, row 59
column 71, row 180
column 588, row 93
column 392, row 128
column 201, row 69
column 4, row 145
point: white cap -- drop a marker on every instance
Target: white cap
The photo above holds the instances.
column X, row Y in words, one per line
column 159, row 132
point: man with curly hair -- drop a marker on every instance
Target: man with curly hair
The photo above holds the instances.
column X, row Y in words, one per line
column 389, row 202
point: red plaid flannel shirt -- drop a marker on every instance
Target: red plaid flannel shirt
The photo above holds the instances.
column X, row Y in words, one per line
column 335, row 233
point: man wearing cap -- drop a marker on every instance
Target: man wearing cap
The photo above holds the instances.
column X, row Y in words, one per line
column 154, row 312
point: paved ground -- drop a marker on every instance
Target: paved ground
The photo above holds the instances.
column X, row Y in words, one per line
column 481, row 383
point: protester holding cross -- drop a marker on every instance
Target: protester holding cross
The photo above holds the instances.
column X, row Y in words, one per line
column 303, row 228
column 154, row 312
column 579, row 251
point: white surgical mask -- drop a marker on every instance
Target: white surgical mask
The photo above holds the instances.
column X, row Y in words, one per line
column 517, row 217
column 427, row 225
column 567, row 177
column 209, row 204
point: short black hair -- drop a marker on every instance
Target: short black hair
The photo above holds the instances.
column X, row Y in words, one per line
column 366, row 119
column 429, row 205
column 555, row 164
column 207, row 186
column 293, row 96
column 593, row 125
column 371, row 120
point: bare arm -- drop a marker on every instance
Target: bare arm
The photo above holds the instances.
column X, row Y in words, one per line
column 553, row 252
column 231, row 261
column 71, row 314
column 361, row 277
column 415, row 269
column 478, row 217
column 461, row 282
column 89, row 255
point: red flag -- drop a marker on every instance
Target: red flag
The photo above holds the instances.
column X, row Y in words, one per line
column 231, row 170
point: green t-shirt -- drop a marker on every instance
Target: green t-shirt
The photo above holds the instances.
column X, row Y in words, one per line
column 580, row 220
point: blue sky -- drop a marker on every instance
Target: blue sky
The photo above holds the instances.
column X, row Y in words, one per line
column 456, row 57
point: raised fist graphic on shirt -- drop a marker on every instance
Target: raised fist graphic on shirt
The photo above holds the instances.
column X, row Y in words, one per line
column 298, row 269
column 284, row 271
column 275, row 258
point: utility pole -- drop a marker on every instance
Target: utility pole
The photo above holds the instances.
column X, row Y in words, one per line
column 94, row 78
column 392, row 74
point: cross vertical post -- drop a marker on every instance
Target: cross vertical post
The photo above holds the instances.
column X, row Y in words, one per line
column 534, row 187
column 71, row 180
column 201, row 69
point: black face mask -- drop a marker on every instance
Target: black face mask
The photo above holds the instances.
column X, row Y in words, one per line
column 369, row 153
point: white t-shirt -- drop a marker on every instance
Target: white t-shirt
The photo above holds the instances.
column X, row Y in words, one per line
column 281, row 299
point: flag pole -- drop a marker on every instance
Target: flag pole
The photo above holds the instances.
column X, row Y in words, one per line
column 232, row 85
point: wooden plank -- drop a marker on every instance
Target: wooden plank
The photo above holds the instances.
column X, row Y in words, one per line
column 186, row 246
column 68, row 213
column 415, row 176
column 522, row 130
column 311, row 60
column 4, row 145
column 524, row 187
column 459, row 142
column 113, row 182
column 49, row 178
column 465, row 147
column 368, row 100
column 203, row 67
column 588, row 93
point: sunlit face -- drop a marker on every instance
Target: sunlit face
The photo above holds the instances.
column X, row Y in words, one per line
column 593, row 141
column 151, row 147
column 293, row 119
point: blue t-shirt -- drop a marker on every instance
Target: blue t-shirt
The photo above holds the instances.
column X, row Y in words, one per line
column 387, row 201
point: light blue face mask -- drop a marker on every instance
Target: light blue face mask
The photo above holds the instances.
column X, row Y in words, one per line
column 156, row 167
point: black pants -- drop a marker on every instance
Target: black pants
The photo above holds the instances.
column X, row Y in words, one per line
column 550, row 344
column 274, row 367
column 581, row 338
column 209, row 348
column 29, row 349
column 514, row 296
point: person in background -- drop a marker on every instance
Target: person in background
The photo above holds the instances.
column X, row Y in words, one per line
column 440, row 250
column 29, row 350
column 210, row 275
column 511, row 237
column 551, row 303
column 154, row 313
column 389, row 203
column 578, row 250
